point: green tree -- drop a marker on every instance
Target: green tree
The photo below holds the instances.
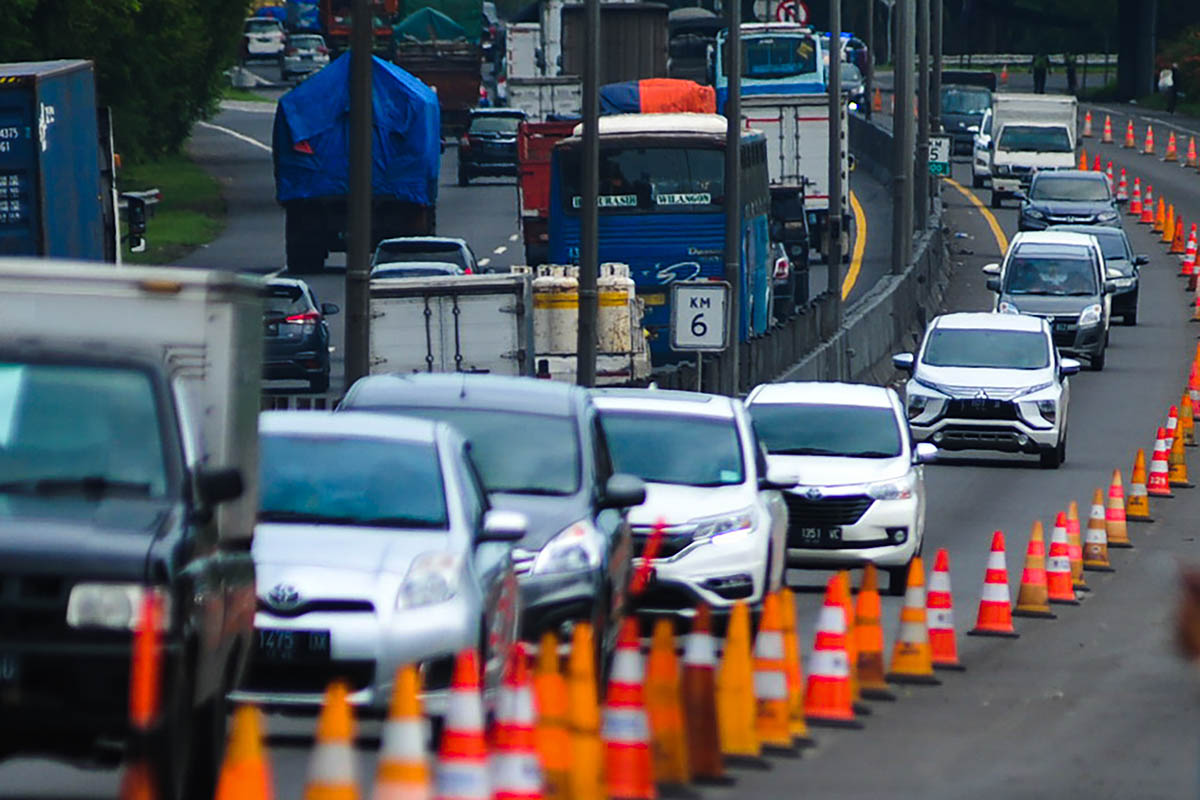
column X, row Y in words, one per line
column 159, row 63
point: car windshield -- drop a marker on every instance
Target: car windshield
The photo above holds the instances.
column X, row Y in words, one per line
column 412, row 272
column 986, row 349
column 495, row 123
column 283, row 300
column 965, row 101
column 350, row 480
column 766, row 57
column 393, row 252
column 1064, row 188
column 79, row 429
column 261, row 26
column 515, row 451
column 1050, row 276
column 651, row 179
column 811, row 429
column 1035, row 139
column 663, row 448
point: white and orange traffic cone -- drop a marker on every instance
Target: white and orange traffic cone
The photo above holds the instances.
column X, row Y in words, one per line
column 462, row 769
column 332, row 773
column 1188, row 265
column 1075, row 548
column 1033, row 598
column 1148, row 149
column 995, row 604
column 1107, row 136
column 1135, row 204
column 939, row 607
column 1087, row 124
column 1172, row 153
column 403, row 772
column 1058, row 565
column 1114, row 514
column 516, row 770
column 626, row 732
column 1095, row 542
column 770, row 681
column 1159, row 484
column 1147, row 217
column 1130, row 140
column 1123, row 188
column 912, row 657
column 828, row 698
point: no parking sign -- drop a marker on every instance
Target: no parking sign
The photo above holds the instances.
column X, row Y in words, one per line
column 792, row 11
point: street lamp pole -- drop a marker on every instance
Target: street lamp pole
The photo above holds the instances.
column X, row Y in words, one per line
column 589, row 257
column 733, row 194
column 358, row 244
column 902, row 142
column 834, row 231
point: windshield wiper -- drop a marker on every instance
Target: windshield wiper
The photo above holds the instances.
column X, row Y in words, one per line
column 85, row 484
column 533, row 490
column 871, row 454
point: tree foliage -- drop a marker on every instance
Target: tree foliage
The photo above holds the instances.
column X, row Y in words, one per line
column 1184, row 50
column 159, row 63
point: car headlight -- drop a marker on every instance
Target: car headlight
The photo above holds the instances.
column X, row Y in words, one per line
column 927, row 384
column 580, row 547
column 1006, row 307
column 1108, row 216
column 916, row 405
column 1124, row 283
column 115, row 606
column 1048, row 409
column 714, row 528
column 432, row 578
column 1091, row 315
column 1033, row 212
column 898, row 489
column 973, row 128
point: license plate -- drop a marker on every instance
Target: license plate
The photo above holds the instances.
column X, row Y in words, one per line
column 654, row 299
column 293, row 646
column 1062, row 326
column 816, row 537
column 10, row 669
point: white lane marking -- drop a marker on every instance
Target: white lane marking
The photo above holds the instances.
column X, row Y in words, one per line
column 248, row 106
column 514, row 237
column 241, row 136
column 483, row 262
column 500, row 250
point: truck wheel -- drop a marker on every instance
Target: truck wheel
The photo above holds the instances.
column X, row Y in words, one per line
column 305, row 233
column 208, row 747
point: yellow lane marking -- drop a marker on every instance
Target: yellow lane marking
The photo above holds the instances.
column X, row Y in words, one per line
column 860, row 245
column 997, row 231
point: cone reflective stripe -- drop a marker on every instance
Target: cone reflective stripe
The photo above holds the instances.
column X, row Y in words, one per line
column 664, row 707
column 1083, row 162
column 939, row 607
column 462, row 770
column 245, row 772
column 1107, row 135
column 1192, row 159
column 516, row 769
column 770, row 678
column 626, row 733
column 735, row 689
column 403, row 772
column 551, row 735
column 1137, row 504
column 995, row 611
column 1075, row 548
column 1158, row 484
column 1177, row 463
column 1095, row 542
column 1187, row 420
column 585, row 780
column 1114, row 513
column 868, row 634
column 912, row 657
column 1087, row 124
column 1147, row 217
column 1058, row 565
column 1122, row 187
column 827, row 698
column 1033, row 600
column 795, row 668
column 1172, row 153
column 1148, row 150
column 1160, row 217
column 1130, row 140
column 1135, row 205
column 331, row 769
column 699, row 699
column 844, row 595
column 1108, row 173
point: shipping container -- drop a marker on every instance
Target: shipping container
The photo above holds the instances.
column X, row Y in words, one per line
column 633, row 40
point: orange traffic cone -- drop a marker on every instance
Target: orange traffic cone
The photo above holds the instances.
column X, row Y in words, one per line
column 585, row 779
column 699, row 700
column 1123, row 188
column 828, row 699
column 1083, row 159
column 1107, row 136
column 331, row 769
column 735, row 691
column 1137, row 504
column 1148, row 150
column 516, row 769
column 868, row 630
column 1004, row 75
column 1135, row 205
column 1177, row 245
column 246, row 773
column 1095, row 543
column 137, row 781
column 1159, row 484
column 1160, row 217
column 877, row 101
column 462, row 770
column 1172, row 153
column 1192, row 159
column 626, row 733
column 939, row 607
column 1087, row 124
column 1058, row 565
column 1130, row 141
column 846, row 597
column 770, row 681
column 1172, row 427
column 1033, row 600
column 1177, row 474
column 1108, row 173
column 664, row 707
column 1114, row 514
column 1187, row 420
column 1167, row 230
column 550, row 696
column 912, row 657
column 995, row 613
column 1075, row 548
column 145, row 670
column 1188, row 265
column 1096, row 165
column 403, row 771
column 795, row 669
column 1147, row 217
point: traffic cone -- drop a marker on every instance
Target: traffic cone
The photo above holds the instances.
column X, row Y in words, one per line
column 1130, row 141
column 1135, row 205
column 245, row 772
column 1194, row 380
column 699, row 701
column 1075, row 548
column 585, row 780
column 877, row 101
column 462, row 768
column 912, row 656
column 137, row 781
column 1107, row 136
column 1083, row 159
column 1147, row 217
column 1167, row 230
column 331, row 769
column 1159, row 484
column 1108, row 173
column 1160, row 217
column 626, row 733
column 1087, row 124
column 1177, row 246
column 995, row 612
column 770, row 681
column 1172, row 153
column 516, row 768
column 145, row 669
column 868, row 631
column 1177, row 464
column 1137, row 504
column 1095, row 542
column 1058, row 565
column 939, row 607
column 845, row 595
column 828, row 699
column 664, row 707
column 795, row 669
column 1033, row 600
column 1192, row 159
column 550, row 697
column 1004, row 75
column 1123, row 188
column 1114, row 514
column 1187, row 420
column 1188, row 265
column 1096, row 164
column 735, row 691
column 403, row 771
column 1172, row 427
column 1148, row 150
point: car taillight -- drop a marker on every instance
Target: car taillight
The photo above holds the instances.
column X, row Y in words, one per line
column 468, row 271
column 307, row 316
column 782, row 268
column 323, row 50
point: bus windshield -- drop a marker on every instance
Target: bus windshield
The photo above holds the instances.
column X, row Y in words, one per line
column 640, row 178
column 778, row 57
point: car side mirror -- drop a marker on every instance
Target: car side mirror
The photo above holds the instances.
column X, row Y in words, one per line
column 215, row 486
column 623, row 491
column 503, row 526
column 904, row 361
column 993, row 284
column 1141, row 261
column 777, row 480
column 925, row 453
column 1068, row 366
column 1020, row 195
column 329, row 309
column 1110, row 287
column 992, row 269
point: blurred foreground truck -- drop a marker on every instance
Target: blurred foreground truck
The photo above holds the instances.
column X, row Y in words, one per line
column 128, row 478
column 312, row 160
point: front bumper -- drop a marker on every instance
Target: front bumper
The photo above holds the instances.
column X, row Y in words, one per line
column 552, row 600
column 716, row 572
column 1071, row 339
column 884, row 532
column 1001, row 435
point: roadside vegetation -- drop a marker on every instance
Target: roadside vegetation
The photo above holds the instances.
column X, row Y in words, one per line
column 190, row 214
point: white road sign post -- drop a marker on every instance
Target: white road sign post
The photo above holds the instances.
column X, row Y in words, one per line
column 700, row 319
column 939, row 155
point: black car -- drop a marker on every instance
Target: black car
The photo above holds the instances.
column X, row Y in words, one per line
column 489, row 147
column 1067, row 196
column 540, row 451
column 296, row 333
column 963, row 108
column 1122, row 265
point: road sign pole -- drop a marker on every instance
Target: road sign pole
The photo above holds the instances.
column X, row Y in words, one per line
column 833, row 235
column 902, row 141
column 733, row 194
column 921, row 176
column 699, row 372
column 589, row 257
column 358, row 245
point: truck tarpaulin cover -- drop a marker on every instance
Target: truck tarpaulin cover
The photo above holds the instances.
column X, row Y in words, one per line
column 429, row 25
column 657, row 96
column 312, row 131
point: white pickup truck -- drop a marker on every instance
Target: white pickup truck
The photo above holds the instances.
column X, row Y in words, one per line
column 1023, row 133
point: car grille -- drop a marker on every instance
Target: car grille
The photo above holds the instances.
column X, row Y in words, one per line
column 674, row 541
column 826, row 511
column 981, row 409
column 523, row 561
column 283, row 678
column 318, row 605
column 32, row 606
column 970, row 392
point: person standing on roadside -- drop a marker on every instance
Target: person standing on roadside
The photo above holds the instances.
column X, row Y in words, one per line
column 1172, row 88
column 1069, row 61
column 1041, row 66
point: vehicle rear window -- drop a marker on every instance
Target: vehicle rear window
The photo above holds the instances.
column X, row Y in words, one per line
column 975, row 347
column 810, row 429
column 1045, row 275
column 1034, row 138
column 306, row 42
column 284, row 301
column 495, row 123
column 965, row 101
column 261, row 26
column 664, row 448
column 411, row 272
column 350, row 480
column 420, row 251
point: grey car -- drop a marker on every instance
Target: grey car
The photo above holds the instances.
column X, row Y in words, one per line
column 541, row 451
column 376, row 547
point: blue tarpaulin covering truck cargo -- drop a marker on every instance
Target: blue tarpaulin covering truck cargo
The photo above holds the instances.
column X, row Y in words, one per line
column 312, row 160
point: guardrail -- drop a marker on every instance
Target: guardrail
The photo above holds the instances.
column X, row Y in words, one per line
column 1000, row 59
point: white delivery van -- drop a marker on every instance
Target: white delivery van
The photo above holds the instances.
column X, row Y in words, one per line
column 1029, row 132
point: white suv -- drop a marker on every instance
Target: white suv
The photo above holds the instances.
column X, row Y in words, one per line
column 990, row 382
column 263, row 37
column 705, row 473
column 859, row 492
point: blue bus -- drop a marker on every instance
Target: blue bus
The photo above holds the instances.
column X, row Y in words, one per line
column 777, row 58
column 661, row 202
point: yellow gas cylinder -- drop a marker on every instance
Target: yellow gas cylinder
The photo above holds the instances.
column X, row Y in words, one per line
column 615, row 315
column 555, row 308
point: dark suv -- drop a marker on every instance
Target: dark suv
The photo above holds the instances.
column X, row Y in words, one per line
column 540, row 451
column 489, row 147
column 1067, row 196
column 296, row 333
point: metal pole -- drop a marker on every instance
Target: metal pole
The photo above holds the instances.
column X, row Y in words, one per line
column 921, row 167
column 699, row 372
column 902, row 142
column 358, row 205
column 935, row 89
column 834, row 230
column 589, row 257
column 733, row 194
column 869, row 78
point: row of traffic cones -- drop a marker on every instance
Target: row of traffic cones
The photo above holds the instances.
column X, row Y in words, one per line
column 1170, row 155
